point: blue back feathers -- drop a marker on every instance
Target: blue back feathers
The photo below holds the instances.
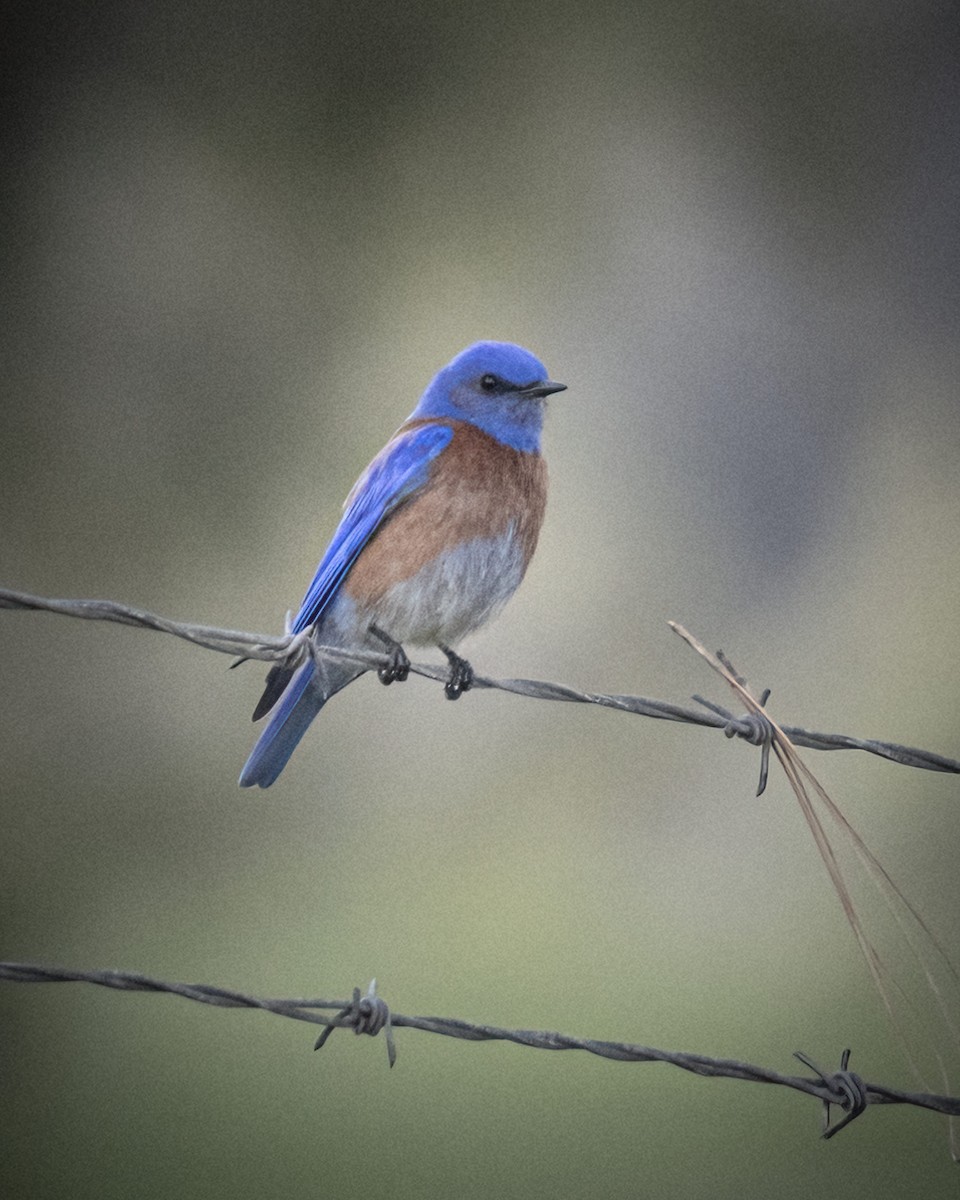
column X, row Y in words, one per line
column 399, row 469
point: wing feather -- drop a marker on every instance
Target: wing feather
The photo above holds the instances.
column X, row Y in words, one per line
column 399, row 470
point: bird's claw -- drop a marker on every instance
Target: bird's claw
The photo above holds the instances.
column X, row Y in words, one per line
column 396, row 669
column 460, row 679
column 397, row 666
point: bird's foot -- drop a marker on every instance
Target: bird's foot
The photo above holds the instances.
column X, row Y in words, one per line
column 397, row 668
column 460, row 678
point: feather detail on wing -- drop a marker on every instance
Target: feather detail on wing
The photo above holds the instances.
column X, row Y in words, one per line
column 395, row 474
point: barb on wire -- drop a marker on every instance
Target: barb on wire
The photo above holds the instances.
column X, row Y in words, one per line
column 938, row 973
column 291, row 648
column 848, row 1084
column 369, row 1014
column 755, row 726
column 364, row 1014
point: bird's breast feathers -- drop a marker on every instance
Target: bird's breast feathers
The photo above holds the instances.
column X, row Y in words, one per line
column 447, row 558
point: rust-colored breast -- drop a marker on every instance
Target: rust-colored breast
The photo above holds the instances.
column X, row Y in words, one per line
column 476, row 489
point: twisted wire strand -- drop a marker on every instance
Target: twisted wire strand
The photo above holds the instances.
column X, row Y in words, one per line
column 291, row 648
column 368, row 1013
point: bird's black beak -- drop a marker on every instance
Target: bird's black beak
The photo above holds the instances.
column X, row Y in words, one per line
column 546, row 388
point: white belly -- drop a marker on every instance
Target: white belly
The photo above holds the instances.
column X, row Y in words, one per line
column 454, row 594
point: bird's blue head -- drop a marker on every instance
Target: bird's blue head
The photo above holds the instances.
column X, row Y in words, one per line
column 496, row 386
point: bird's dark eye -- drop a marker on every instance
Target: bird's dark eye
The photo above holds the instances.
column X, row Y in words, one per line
column 489, row 383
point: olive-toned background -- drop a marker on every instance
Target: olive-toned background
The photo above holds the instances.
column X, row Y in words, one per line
column 239, row 240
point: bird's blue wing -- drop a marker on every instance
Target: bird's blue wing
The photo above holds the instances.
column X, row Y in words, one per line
column 398, row 470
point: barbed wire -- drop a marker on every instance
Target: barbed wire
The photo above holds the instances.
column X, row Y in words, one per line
column 368, row 1013
column 293, row 648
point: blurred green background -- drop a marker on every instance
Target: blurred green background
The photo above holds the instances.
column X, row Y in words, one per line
column 239, row 241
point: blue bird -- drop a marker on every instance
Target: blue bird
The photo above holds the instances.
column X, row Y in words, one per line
column 435, row 537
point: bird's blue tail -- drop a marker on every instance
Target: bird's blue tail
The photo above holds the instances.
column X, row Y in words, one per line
column 308, row 690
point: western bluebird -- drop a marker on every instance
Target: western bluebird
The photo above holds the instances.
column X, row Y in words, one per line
column 435, row 538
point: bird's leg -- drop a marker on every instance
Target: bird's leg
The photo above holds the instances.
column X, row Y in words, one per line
column 398, row 668
column 461, row 674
